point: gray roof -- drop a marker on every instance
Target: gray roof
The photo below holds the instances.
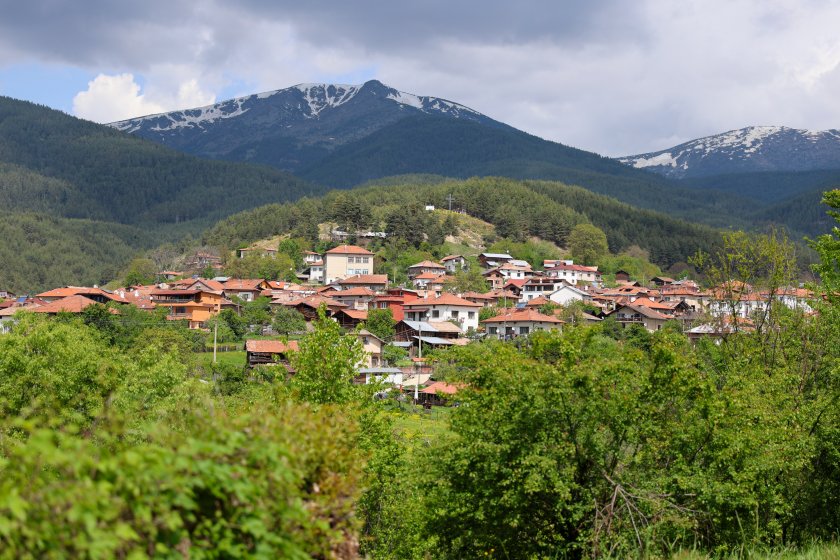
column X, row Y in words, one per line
column 434, row 340
column 380, row 370
column 496, row 255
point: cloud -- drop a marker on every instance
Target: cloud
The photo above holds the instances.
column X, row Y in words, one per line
column 118, row 97
column 606, row 75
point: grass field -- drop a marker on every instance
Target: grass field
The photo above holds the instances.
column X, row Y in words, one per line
column 233, row 358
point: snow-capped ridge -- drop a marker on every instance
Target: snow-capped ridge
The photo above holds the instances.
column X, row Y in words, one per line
column 312, row 100
column 750, row 149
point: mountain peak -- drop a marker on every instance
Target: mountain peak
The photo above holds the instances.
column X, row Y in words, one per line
column 745, row 150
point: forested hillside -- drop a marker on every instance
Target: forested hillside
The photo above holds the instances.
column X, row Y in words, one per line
column 55, row 163
column 518, row 209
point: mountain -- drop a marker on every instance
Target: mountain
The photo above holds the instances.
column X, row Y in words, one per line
column 294, row 127
column 79, row 199
column 53, row 163
column 341, row 135
column 753, row 149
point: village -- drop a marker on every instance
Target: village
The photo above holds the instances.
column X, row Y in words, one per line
column 427, row 314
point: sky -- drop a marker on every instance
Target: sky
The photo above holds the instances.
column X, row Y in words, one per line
column 616, row 77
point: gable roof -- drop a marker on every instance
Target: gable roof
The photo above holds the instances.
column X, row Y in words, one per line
column 364, row 279
column 70, row 304
column 247, row 284
column 348, row 250
column 271, row 346
column 642, row 310
column 443, row 299
column 427, row 264
column 521, row 315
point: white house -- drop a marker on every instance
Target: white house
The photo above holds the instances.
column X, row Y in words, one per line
column 453, row 263
column 446, row 307
column 572, row 273
column 567, row 293
column 540, row 286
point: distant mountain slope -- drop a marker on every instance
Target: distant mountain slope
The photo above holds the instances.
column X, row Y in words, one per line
column 341, row 136
column 748, row 150
column 64, row 166
column 293, row 127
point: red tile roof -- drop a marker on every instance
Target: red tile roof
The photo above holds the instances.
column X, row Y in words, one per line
column 365, row 279
column 70, row 304
column 247, row 284
column 348, row 250
column 440, row 387
column 427, row 264
column 271, row 346
column 523, row 315
column 444, row 299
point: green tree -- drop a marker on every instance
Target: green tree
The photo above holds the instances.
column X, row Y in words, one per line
column 587, row 244
column 381, row 323
column 287, row 320
column 326, row 363
column 140, row 271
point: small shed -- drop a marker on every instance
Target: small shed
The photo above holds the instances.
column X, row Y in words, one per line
column 270, row 352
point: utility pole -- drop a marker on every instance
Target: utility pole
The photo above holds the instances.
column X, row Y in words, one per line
column 215, row 337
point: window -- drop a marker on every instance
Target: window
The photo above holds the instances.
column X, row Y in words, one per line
column 454, row 314
column 436, row 314
column 493, row 330
column 523, row 330
column 471, row 314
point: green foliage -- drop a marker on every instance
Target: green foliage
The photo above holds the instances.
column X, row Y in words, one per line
column 326, row 364
column 381, row 323
column 259, row 266
column 140, row 271
column 827, row 247
column 587, row 244
column 288, row 320
column 469, row 278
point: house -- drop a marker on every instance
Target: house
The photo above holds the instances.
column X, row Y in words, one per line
column 541, row 286
column 411, row 330
column 446, row 307
column 203, row 259
column 453, row 263
column 349, row 319
column 270, row 352
column 376, row 282
column 346, row 260
column 70, row 304
column 308, row 306
column 310, row 257
column 372, row 345
column 486, row 300
column 247, row 289
column 426, row 267
column 6, row 294
column 437, row 393
column 314, row 271
column 622, row 276
column 662, row 280
column 512, row 271
column 567, row 293
column 494, row 277
column 193, row 306
column 572, row 273
column 492, row 260
column 385, row 301
column 637, row 314
column 521, row 322
column 429, row 281
column 354, row 298
column 260, row 251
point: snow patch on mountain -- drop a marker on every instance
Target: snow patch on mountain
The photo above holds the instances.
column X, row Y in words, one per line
column 755, row 148
column 322, row 96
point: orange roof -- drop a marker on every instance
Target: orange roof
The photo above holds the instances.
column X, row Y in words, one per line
column 440, row 387
column 444, row 299
column 348, row 250
column 248, row 284
column 357, row 314
column 429, row 276
column 450, row 257
column 70, row 304
column 365, row 279
column 523, row 315
column 476, row 295
column 67, row 291
column 539, row 302
column 213, row 285
column 271, row 346
column 354, row 292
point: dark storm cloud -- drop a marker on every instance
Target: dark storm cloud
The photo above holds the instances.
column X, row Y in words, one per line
column 138, row 33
